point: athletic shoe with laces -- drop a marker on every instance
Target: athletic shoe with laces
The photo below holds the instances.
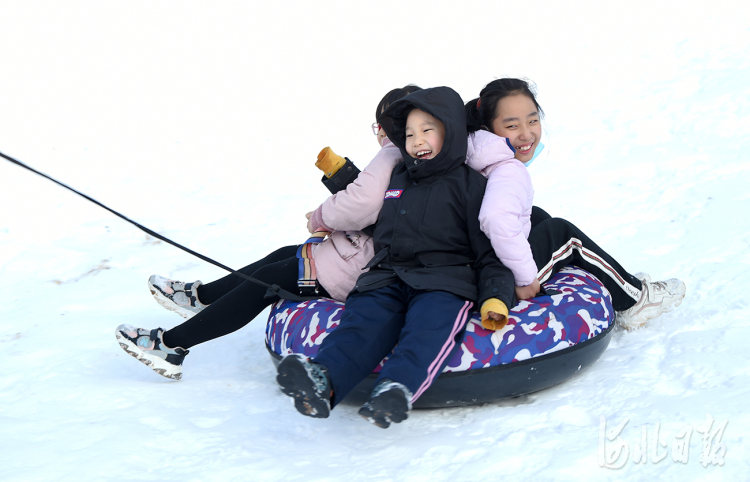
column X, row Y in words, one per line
column 177, row 296
column 308, row 383
column 389, row 402
column 657, row 297
column 149, row 348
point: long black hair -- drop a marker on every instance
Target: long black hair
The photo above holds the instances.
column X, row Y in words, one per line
column 482, row 111
column 393, row 96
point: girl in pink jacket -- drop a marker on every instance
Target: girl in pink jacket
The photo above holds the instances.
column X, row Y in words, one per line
column 505, row 216
column 223, row 306
column 508, row 108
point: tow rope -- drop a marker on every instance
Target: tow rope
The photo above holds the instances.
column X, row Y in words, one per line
column 273, row 289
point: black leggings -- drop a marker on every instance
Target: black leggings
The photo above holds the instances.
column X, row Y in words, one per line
column 233, row 302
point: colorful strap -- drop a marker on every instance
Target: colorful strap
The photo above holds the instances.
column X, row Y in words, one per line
column 308, row 277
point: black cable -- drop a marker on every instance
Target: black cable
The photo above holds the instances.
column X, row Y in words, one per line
column 275, row 289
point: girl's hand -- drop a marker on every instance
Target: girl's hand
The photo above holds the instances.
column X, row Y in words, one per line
column 526, row 292
column 309, row 226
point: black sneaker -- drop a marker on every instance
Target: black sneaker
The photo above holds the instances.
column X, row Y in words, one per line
column 389, row 402
column 308, row 383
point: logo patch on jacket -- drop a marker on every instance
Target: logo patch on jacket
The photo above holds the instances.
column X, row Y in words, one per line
column 393, row 193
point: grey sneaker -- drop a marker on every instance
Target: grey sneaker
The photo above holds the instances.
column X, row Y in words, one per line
column 657, row 297
column 308, row 383
column 148, row 347
column 389, row 402
column 177, row 296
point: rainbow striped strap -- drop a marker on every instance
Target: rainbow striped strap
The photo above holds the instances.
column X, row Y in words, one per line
column 307, row 280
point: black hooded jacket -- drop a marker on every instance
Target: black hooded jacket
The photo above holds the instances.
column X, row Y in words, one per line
column 427, row 233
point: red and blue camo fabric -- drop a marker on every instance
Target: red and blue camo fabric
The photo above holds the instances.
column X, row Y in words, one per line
column 543, row 325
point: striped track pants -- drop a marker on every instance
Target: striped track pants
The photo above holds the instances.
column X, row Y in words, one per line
column 556, row 242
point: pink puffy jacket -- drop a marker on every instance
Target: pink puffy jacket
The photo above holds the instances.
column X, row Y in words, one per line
column 339, row 259
column 505, row 216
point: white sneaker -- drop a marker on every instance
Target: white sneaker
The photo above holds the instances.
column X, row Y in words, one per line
column 148, row 347
column 657, row 297
column 177, row 296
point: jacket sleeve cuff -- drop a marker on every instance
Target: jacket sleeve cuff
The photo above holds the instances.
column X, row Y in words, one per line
column 341, row 178
column 316, row 220
column 496, row 306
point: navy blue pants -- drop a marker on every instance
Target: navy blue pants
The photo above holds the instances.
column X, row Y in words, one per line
column 421, row 328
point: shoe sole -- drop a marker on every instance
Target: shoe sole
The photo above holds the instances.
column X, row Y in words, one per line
column 389, row 406
column 294, row 382
column 169, row 304
column 159, row 365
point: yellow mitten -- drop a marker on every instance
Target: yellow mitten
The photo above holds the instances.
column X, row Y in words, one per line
column 496, row 306
column 329, row 162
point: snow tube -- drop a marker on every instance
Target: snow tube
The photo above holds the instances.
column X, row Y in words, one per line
column 547, row 340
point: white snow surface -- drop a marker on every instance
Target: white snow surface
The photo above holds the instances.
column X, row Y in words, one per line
column 202, row 120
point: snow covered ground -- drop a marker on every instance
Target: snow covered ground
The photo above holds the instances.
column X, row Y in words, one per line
column 202, row 121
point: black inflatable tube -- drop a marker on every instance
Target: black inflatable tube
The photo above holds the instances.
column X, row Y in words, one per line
column 472, row 387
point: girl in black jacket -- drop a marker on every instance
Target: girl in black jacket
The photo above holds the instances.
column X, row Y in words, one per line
column 432, row 264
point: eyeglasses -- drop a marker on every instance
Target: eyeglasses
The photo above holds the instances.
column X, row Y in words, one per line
column 375, row 128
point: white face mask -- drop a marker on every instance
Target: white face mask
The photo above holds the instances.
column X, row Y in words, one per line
column 537, row 151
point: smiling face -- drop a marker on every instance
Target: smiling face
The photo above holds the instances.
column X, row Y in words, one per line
column 424, row 135
column 518, row 120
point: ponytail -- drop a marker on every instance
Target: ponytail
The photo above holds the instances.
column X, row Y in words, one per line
column 473, row 119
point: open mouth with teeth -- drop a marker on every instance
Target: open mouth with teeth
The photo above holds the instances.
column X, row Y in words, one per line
column 423, row 154
column 524, row 149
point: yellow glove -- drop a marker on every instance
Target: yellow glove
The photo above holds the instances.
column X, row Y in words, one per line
column 329, row 162
column 498, row 307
